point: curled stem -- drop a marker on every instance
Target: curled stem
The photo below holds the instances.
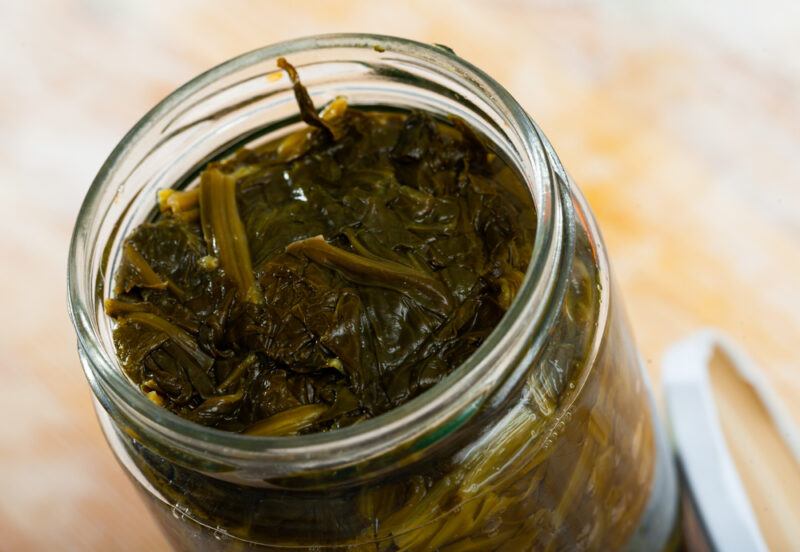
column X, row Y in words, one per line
column 307, row 110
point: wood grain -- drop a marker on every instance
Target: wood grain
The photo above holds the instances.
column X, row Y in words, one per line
column 680, row 122
column 767, row 467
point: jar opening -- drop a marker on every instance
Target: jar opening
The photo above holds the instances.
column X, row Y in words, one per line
column 228, row 105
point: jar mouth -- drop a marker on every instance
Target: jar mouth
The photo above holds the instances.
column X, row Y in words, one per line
column 426, row 418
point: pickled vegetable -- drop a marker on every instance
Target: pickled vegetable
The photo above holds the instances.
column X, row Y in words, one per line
column 569, row 464
column 323, row 278
column 310, row 283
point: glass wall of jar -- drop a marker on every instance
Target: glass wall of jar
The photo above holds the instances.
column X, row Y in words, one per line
column 546, row 438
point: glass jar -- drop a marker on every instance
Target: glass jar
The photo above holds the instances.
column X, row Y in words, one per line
column 546, row 438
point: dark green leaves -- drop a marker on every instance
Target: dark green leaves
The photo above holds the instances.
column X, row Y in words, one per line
column 323, row 278
column 372, row 271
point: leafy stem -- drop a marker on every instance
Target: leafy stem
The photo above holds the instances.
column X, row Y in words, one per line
column 180, row 337
column 374, row 272
column 149, row 277
column 288, row 422
column 307, row 110
column 224, row 231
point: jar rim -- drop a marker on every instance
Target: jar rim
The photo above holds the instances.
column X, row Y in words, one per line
column 451, row 401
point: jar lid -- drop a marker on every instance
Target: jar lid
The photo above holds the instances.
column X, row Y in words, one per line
column 722, row 415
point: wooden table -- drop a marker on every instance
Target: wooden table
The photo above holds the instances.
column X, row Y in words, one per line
column 681, row 124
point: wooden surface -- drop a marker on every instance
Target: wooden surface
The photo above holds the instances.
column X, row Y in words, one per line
column 681, row 123
column 766, row 465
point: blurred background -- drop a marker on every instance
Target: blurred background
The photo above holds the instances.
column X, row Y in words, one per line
column 679, row 120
